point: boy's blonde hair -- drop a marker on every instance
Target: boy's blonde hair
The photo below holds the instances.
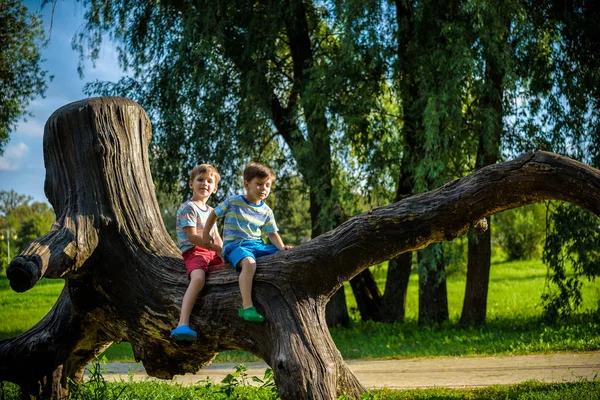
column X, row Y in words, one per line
column 254, row 170
column 205, row 168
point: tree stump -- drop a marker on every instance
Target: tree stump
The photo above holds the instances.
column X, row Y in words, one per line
column 125, row 278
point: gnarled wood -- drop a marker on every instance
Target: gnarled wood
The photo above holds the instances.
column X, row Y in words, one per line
column 126, row 278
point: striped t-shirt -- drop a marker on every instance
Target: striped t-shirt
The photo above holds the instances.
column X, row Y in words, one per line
column 190, row 214
column 244, row 220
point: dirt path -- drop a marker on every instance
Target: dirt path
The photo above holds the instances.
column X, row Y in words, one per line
column 449, row 372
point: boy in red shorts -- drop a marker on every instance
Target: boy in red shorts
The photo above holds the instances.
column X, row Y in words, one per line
column 191, row 218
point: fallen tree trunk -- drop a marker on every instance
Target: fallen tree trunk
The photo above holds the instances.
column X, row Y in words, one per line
column 125, row 278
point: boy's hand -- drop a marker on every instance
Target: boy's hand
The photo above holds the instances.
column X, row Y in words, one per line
column 207, row 242
column 286, row 247
column 217, row 249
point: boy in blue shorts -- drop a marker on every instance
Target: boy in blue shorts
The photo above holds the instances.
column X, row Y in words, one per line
column 198, row 256
column 245, row 217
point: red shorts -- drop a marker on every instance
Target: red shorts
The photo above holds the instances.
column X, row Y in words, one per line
column 200, row 258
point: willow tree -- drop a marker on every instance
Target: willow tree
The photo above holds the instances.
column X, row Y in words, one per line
column 476, row 81
column 492, row 26
column 427, row 48
column 537, row 89
column 22, row 77
column 232, row 76
column 436, row 34
column 566, row 90
column 124, row 277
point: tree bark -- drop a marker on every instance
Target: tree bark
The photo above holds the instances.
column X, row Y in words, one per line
column 126, row 278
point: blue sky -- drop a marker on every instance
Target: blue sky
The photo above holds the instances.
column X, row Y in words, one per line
column 22, row 165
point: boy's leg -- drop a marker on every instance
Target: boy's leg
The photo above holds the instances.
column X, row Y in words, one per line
column 243, row 259
column 197, row 279
column 248, row 312
column 183, row 330
column 196, row 263
column 248, row 267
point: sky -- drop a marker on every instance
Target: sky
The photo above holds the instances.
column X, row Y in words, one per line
column 22, row 164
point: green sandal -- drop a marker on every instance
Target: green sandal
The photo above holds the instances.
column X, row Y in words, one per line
column 250, row 314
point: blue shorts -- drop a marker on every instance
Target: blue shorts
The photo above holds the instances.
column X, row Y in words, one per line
column 248, row 248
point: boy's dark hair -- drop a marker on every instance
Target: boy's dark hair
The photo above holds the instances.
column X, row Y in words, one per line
column 254, row 170
column 205, row 168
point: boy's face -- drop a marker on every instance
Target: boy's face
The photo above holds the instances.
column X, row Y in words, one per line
column 203, row 185
column 258, row 189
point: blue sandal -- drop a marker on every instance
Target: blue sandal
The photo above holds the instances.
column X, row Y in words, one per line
column 184, row 332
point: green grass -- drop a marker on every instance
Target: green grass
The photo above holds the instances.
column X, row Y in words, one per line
column 514, row 292
column 531, row 390
column 21, row 311
column 409, row 340
column 513, row 320
column 236, row 386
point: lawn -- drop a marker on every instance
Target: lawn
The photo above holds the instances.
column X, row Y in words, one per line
column 21, row 311
column 237, row 386
column 513, row 320
column 514, row 292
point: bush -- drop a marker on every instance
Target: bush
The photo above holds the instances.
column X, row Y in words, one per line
column 520, row 232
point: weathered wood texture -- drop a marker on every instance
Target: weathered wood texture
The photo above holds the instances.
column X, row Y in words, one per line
column 125, row 278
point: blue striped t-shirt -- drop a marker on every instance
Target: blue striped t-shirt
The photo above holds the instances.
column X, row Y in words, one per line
column 244, row 220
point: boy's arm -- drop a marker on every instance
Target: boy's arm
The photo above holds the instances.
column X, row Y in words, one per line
column 217, row 238
column 277, row 242
column 194, row 238
column 210, row 222
column 212, row 243
column 218, row 243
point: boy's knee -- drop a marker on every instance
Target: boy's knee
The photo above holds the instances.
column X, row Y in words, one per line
column 197, row 276
column 248, row 263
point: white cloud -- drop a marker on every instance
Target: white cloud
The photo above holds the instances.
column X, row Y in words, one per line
column 13, row 156
column 31, row 128
column 106, row 67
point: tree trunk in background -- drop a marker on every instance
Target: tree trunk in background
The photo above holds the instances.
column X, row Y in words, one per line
column 488, row 153
column 315, row 164
column 478, row 277
column 368, row 298
column 433, row 295
column 396, row 286
column 337, row 310
column 125, row 277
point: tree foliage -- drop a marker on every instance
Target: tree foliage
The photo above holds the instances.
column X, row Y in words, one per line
column 229, row 81
column 21, row 221
column 22, row 78
column 572, row 255
column 562, row 114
